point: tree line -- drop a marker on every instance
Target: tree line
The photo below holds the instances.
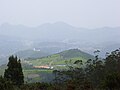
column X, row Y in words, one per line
column 96, row 74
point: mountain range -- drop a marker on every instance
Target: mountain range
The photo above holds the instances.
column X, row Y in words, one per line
column 56, row 37
column 60, row 31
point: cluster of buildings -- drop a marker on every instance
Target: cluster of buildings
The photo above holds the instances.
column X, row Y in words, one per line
column 43, row 67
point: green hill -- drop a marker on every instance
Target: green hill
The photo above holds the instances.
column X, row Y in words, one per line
column 58, row 61
column 73, row 53
column 62, row 57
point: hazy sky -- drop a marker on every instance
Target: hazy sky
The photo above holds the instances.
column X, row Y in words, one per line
column 80, row 13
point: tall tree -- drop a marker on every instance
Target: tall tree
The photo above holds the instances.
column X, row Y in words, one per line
column 14, row 71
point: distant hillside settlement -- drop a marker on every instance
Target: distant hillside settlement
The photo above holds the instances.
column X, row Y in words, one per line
column 43, row 67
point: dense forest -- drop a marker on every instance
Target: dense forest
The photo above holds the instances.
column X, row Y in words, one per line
column 95, row 74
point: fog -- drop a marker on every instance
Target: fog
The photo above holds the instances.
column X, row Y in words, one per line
column 78, row 13
column 57, row 25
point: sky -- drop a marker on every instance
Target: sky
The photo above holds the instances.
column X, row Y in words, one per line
column 79, row 13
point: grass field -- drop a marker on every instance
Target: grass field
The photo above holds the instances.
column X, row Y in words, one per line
column 62, row 58
column 38, row 75
column 54, row 60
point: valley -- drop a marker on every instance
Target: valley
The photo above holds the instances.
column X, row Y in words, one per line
column 41, row 69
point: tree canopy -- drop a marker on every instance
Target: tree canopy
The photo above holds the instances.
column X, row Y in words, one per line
column 14, row 71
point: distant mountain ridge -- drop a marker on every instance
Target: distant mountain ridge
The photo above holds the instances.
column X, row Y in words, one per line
column 14, row 38
column 60, row 31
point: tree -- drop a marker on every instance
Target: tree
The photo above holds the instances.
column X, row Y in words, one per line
column 14, row 71
column 112, row 71
column 5, row 85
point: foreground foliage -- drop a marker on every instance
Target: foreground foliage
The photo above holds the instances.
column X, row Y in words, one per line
column 14, row 71
column 94, row 74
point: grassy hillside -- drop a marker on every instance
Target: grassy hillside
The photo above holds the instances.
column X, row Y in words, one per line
column 62, row 57
column 72, row 53
column 58, row 61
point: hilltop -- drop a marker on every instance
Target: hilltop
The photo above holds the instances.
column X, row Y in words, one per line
column 62, row 58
